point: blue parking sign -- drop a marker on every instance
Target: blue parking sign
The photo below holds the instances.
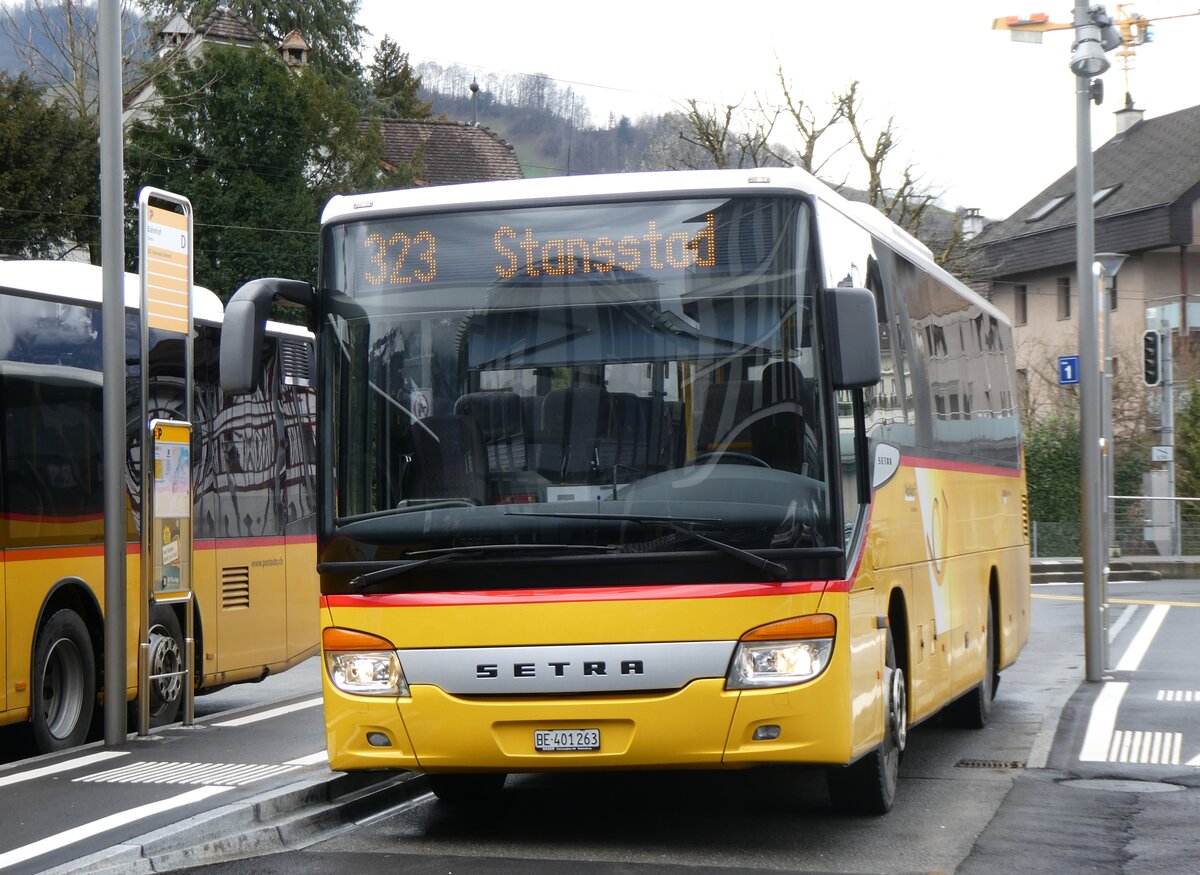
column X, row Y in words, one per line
column 1068, row 370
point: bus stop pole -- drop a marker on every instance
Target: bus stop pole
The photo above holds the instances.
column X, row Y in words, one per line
column 1091, row 480
column 112, row 257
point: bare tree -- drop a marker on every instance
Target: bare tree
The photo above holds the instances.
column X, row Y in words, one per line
column 724, row 137
column 809, row 129
column 56, row 41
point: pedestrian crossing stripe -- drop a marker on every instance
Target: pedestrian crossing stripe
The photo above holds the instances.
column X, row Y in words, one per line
column 1145, row 748
column 208, row 774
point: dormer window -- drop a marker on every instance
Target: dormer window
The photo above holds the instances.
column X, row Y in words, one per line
column 1049, row 207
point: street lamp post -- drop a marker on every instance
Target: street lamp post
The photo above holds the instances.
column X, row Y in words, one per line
column 1109, row 263
column 1094, row 35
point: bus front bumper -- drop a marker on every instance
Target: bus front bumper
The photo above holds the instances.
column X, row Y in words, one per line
column 702, row 725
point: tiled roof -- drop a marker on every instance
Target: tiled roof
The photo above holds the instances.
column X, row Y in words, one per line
column 225, row 24
column 449, row 151
column 1153, row 169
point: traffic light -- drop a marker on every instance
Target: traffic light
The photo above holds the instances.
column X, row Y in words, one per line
column 1151, row 346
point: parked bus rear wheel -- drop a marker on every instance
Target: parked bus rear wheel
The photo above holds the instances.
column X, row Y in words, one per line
column 166, row 658
column 974, row 709
column 868, row 786
column 471, row 789
column 63, row 683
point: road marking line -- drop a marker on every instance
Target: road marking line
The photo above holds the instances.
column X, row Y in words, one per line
column 1115, row 629
column 1145, row 747
column 1179, row 695
column 1098, row 739
column 64, row 766
column 112, row 821
column 1079, row 598
column 310, row 760
column 211, row 774
column 274, row 712
column 1141, row 642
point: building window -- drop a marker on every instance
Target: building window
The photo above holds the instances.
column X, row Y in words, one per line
column 1064, row 297
column 1112, row 294
column 1048, row 207
column 1020, row 315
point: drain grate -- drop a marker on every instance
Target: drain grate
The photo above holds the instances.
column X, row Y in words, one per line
column 989, row 764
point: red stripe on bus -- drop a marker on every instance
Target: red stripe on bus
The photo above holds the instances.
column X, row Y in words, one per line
column 965, row 467
column 599, row 594
column 246, row 543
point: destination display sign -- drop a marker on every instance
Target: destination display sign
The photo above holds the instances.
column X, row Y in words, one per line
column 511, row 245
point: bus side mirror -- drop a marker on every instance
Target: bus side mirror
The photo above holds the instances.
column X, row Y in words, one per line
column 245, row 322
column 852, row 336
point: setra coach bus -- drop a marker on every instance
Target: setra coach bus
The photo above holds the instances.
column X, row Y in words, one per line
column 254, row 576
column 706, row 469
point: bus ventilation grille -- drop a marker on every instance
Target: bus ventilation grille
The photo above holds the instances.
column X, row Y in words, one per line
column 235, row 588
column 1025, row 516
column 296, row 356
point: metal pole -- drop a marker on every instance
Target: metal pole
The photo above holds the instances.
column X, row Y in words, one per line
column 112, row 256
column 1091, row 484
column 1110, row 449
column 1168, row 431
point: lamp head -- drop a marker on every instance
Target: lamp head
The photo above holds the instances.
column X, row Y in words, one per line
column 1087, row 54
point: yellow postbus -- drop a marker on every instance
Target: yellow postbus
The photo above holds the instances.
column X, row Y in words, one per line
column 677, row 470
column 256, row 593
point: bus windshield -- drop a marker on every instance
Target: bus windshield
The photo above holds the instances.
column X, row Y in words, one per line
column 617, row 375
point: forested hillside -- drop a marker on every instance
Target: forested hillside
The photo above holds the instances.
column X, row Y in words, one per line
column 550, row 127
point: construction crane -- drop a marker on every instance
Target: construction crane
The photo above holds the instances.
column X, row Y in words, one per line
column 1135, row 31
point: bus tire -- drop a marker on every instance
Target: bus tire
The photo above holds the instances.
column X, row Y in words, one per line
column 868, row 786
column 471, row 789
column 166, row 656
column 63, row 683
column 974, row 709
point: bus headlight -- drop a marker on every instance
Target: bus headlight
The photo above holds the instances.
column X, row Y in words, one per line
column 783, row 653
column 362, row 664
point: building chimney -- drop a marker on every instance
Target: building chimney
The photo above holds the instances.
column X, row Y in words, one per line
column 1127, row 116
column 972, row 222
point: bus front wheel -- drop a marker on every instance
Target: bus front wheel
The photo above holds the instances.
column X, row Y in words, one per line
column 470, row 789
column 167, row 661
column 868, row 786
column 63, row 683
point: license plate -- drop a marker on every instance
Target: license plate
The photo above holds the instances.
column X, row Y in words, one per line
column 552, row 740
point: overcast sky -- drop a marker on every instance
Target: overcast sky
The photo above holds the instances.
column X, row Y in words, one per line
column 990, row 122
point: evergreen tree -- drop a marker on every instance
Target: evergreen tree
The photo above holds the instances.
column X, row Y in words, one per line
column 394, row 85
column 329, row 26
column 258, row 150
column 49, row 163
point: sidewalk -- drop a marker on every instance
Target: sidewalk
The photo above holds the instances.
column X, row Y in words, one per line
column 1142, row 567
column 237, row 783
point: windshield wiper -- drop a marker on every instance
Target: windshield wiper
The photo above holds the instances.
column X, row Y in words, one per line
column 407, row 506
column 774, row 569
column 425, row 558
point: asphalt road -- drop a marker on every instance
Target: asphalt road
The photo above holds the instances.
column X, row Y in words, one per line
column 1068, row 777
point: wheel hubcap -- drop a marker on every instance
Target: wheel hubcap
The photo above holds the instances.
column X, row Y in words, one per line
column 165, row 659
column 898, row 710
column 62, row 688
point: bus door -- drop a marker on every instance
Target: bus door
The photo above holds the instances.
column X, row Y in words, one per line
column 251, row 616
column 297, row 421
column 3, row 628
